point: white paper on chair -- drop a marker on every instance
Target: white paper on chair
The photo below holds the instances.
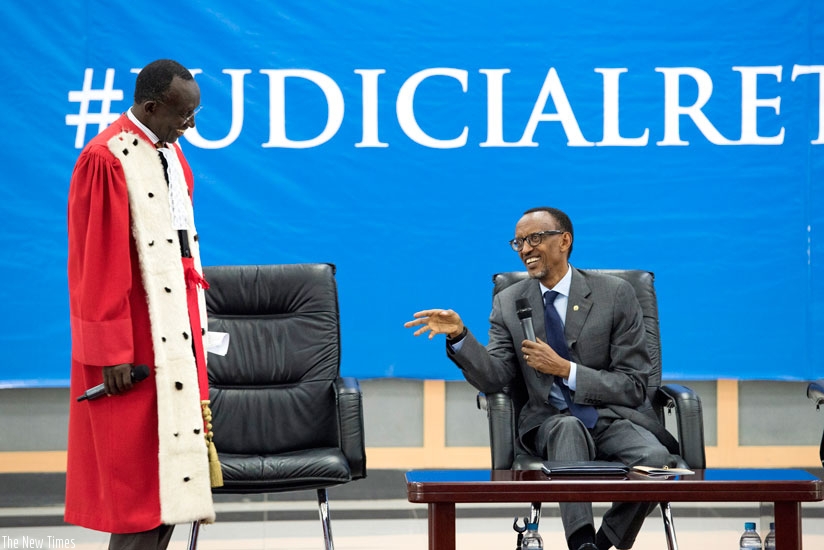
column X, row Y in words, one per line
column 217, row 342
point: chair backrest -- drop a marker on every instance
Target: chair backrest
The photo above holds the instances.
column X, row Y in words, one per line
column 274, row 390
column 643, row 284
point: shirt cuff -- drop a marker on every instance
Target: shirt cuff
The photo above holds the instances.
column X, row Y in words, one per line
column 572, row 381
column 457, row 343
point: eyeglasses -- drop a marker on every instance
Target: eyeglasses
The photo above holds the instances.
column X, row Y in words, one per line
column 186, row 118
column 534, row 239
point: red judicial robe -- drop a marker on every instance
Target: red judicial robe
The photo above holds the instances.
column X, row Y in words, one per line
column 115, row 467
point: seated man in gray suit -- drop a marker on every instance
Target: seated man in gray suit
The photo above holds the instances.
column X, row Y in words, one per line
column 593, row 355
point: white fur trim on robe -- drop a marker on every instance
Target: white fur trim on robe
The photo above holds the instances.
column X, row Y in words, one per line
column 185, row 490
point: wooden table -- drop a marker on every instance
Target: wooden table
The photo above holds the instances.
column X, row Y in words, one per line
column 442, row 489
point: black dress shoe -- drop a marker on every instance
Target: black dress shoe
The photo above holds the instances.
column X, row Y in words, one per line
column 588, row 546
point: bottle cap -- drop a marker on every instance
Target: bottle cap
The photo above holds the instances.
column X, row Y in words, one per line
column 772, row 525
column 749, row 525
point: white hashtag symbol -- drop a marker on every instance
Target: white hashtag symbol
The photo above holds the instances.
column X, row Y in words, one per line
column 105, row 96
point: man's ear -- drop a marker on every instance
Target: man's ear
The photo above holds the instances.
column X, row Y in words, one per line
column 566, row 241
column 149, row 106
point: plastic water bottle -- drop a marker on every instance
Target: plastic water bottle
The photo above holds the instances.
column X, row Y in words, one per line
column 750, row 539
column 769, row 540
column 532, row 539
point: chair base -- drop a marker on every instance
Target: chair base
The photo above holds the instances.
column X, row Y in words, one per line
column 194, row 531
column 325, row 520
column 666, row 514
column 326, row 523
column 669, row 526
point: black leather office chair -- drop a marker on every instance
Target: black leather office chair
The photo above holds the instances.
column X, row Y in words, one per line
column 504, row 408
column 815, row 391
column 283, row 417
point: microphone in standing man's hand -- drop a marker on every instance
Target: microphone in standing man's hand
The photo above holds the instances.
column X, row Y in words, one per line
column 140, row 372
column 525, row 315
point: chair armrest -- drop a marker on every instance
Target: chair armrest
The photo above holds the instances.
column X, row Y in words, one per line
column 815, row 391
column 350, row 416
column 689, row 419
column 502, row 427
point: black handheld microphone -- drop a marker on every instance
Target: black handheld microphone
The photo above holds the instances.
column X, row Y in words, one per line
column 140, row 372
column 525, row 315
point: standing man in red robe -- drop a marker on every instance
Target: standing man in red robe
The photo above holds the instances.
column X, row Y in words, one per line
column 137, row 460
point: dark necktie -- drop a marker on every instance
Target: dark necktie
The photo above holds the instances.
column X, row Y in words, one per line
column 555, row 338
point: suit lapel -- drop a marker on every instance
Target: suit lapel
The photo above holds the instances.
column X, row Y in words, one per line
column 578, row 307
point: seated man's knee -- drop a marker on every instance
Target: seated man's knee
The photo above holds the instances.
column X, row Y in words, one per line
column 570, row 425
column 565, row 438
column 658, row 456
column 563, row 426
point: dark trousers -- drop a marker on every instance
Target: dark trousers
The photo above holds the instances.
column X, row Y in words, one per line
column 153, row 539
column 564, row 437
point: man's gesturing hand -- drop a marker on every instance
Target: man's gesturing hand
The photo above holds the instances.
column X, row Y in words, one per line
column 437, row 321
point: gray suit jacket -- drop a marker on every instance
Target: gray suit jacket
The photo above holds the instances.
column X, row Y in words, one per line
column 604, row 330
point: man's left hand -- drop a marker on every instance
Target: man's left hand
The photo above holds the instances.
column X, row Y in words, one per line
column 541, row 357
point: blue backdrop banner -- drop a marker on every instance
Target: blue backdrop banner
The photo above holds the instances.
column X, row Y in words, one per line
column 402, row 140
